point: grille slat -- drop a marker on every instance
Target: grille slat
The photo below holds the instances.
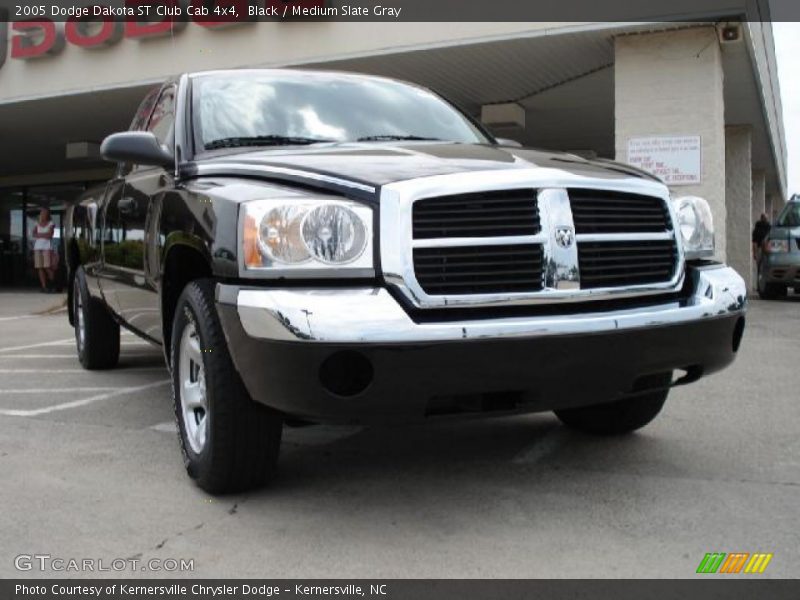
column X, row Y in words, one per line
column 481, row 214
column 486, row 275
column 606, row 207
column 436, row 221
column 510, row 210
column 469, row 230
column 463, row 269
column 616, row 212
column 423, row 265
column 667, row 264
column 488, row 252
column 615, row 264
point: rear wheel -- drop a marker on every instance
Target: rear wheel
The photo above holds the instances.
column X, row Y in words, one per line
column 615, row 418
column 768, row 290
column 96, row 332
column 230, row 443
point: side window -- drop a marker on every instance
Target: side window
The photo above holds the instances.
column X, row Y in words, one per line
column 139, row 123
column 143, row 114
column 162, row 121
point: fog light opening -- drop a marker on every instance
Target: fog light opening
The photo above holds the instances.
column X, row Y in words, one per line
column 346, row 373
column 738, row 334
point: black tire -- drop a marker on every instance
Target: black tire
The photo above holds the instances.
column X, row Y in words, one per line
column 98, row 348
column 242, row 438
column 769, row 290
column 616, row 418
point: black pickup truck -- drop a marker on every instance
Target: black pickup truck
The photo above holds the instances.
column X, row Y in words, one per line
column 329, row 247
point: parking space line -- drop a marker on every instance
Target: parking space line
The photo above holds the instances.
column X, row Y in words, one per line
column 39, row 345
column 72, row 355
column 82, row 402
column 52, row 390
column 165, row 427
column 18, row 317
column 67, row 342
column 56, row 371
column 71, row 342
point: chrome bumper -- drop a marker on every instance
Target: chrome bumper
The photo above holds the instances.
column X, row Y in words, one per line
column 373, row 316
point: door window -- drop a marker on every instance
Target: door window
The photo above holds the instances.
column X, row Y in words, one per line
column 139, row 122
column 162, row 121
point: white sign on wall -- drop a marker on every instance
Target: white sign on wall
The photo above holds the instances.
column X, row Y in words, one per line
column 677, row 159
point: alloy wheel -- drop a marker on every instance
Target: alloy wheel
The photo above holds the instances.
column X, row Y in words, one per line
column 191, row 376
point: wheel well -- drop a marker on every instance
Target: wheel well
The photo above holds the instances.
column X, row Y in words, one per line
column 182, row 265
column 73, row 259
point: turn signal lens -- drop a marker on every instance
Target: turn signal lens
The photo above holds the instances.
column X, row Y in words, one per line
column 252, row 256
column 279, row 235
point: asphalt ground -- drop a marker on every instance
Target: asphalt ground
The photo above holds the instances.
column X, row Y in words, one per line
column 90, row 468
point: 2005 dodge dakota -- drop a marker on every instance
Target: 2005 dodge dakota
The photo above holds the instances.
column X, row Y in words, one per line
column 329, row 247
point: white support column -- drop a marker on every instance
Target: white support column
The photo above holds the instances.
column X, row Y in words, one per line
column 738, row 199
column 670, row 84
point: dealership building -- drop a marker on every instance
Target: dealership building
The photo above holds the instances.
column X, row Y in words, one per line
column 696, row 102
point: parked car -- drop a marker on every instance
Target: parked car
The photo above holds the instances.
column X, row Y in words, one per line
column 779, row 265
column 332, row 247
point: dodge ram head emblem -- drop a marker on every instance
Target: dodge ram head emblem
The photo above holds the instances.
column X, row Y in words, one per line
column 565, row 236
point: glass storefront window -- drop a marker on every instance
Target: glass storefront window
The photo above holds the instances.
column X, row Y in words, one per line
column 19, row 212
column 12, row 237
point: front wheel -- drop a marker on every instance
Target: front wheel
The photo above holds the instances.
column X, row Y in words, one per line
column 615, row 418
column 229, row 442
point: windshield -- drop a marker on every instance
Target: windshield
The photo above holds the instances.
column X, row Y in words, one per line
column 790, row 217
column 246, row 109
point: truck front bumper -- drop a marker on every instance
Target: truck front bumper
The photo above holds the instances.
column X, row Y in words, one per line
column 355, row 355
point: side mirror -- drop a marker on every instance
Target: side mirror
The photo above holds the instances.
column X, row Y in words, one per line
column 137, row 147
column 508, row 142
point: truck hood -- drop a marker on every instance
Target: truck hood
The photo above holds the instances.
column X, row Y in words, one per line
column 368, row 166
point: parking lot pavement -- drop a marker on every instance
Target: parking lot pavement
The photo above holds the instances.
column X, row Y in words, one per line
column 90, row 468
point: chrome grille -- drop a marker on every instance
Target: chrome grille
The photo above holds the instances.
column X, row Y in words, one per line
column 482, row 214
column 614, row 264
column 517, row 237
column 616, row 212
column 479, row 269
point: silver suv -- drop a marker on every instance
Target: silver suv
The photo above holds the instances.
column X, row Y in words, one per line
column 779, row 267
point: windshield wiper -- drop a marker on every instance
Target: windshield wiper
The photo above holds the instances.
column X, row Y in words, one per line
column 390, row 137
column 263, row 140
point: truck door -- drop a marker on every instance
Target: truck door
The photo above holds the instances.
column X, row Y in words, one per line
column 132, row 261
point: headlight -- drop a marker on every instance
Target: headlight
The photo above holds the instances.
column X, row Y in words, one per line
column 306, row 238
column 333, row 234
column 696, row 226
column 776, row 246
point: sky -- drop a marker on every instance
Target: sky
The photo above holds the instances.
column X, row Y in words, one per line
column 787, row 49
